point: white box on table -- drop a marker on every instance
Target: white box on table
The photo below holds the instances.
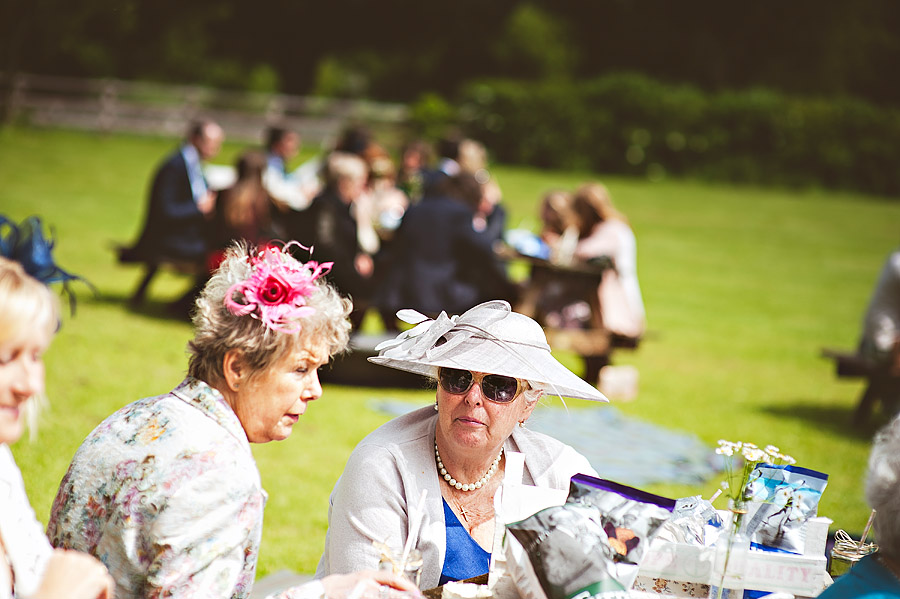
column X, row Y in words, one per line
column 801, row 575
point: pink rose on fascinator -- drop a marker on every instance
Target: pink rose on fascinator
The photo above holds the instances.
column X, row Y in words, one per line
column 277, row 289
column 274, row 291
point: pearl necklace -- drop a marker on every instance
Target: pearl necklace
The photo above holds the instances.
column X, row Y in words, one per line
column 466, row 486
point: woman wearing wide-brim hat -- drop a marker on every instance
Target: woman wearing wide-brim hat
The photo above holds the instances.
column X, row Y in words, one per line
column 491, row 365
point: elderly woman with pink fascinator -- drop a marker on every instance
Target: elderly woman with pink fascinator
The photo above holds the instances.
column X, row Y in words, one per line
column 166, row 491
column 491, row 366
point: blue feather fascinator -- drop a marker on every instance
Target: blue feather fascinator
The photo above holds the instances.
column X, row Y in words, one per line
column 26, row 244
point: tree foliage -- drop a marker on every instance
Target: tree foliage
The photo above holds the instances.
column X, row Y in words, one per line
column 398, row 49
column 637, row 126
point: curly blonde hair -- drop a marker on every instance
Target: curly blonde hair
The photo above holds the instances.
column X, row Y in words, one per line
column 217, row 330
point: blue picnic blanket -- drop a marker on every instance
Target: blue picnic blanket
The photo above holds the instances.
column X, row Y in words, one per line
column 621, row 448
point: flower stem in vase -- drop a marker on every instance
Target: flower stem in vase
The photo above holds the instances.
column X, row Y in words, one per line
column 732, row 548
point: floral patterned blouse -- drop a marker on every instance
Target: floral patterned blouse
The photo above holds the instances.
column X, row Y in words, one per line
column 167, row 494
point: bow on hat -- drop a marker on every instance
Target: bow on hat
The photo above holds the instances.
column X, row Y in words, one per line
column 423, row 340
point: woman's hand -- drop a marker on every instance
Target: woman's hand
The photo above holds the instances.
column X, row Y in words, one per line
column 75, row 575
column 369, row 584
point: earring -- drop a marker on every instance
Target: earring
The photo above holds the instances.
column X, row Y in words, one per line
column 435, row 406
column 522, row 423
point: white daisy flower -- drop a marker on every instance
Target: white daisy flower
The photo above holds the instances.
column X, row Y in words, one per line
column 753, row 454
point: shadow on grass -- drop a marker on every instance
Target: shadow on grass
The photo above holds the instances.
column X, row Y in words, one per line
column 837, row 419
column 149, row 308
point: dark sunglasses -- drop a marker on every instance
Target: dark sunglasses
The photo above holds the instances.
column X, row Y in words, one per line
column 495, row 387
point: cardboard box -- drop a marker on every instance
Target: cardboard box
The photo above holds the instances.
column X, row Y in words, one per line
column 801, row 575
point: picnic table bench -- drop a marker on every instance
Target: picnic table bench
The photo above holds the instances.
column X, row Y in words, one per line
column 152, row 265
column 570, row 283
column 882, row 384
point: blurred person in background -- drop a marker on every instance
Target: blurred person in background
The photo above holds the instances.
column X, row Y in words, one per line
column 338, row 224
column 244, row 210
column 291, row 189
column 605, row 235
column 489, row 276
column 471, row 156
column 179, row 211
column 489, row 213
column 180, row 201
column 438, row 260
column 354, row 139
column 387, row 201
column 880, row 339
column 415, row 160
column 558, row 301
column 559, row 226
column 447, row 164
column 282, row 146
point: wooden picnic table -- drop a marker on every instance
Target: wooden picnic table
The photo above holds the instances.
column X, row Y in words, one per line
column 550, row 286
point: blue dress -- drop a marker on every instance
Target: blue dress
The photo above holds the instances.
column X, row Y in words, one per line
column 867, row 579
column 464, row 558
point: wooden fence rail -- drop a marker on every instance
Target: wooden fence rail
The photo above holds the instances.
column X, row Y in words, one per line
column 113, row 105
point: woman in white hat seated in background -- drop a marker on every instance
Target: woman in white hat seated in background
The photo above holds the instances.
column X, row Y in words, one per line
column 492, row 365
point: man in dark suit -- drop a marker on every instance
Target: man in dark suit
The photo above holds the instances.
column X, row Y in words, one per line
column 448, row 166
column 438, row 260
column 180, row 201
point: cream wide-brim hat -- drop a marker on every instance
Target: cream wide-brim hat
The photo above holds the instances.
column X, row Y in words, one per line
column 488, row 338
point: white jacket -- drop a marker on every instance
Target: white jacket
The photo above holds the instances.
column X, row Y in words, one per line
column 391, row 466
column 27, row 548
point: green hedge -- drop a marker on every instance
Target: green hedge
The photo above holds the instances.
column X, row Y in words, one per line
column 634, row 125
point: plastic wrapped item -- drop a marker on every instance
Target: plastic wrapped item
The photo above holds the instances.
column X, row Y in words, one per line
column 782, row 499
column 590, row 546
column 694, row 521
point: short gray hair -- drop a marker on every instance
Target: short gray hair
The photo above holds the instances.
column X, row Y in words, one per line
column 532, row 392
column 342, row 165
column 217, row 330
column 883, row 487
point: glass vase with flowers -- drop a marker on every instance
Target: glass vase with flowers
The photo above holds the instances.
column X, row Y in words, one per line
column 733, row 544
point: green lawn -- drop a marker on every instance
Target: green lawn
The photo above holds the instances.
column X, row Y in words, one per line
column 743, row 286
